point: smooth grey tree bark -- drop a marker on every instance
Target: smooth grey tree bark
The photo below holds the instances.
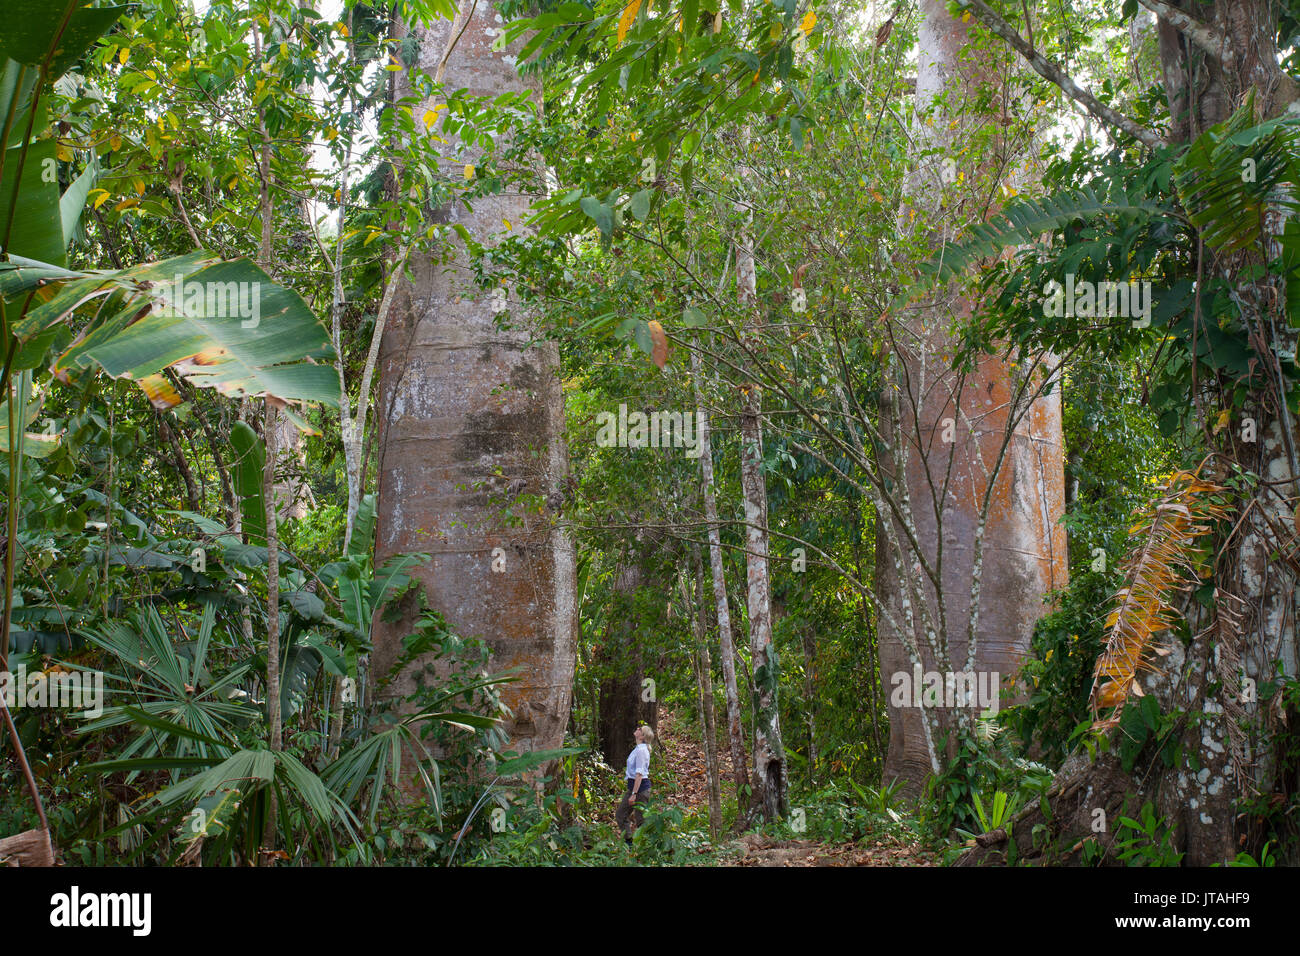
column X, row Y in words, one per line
column 471, row 448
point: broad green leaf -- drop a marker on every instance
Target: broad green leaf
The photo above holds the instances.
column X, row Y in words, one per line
column 598, row 211
column 212, row 814
column 16, row 85
column 641, row 332
column 73, row 201
column 640, row 205
column 32, row 224
column 363, row 527
column 53, row 33
column 246, row 474
column 223, row 325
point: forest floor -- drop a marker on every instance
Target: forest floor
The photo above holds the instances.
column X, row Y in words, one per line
column 684, row 783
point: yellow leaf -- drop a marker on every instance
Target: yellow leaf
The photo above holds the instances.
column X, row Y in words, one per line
column 101, row 198
column 138, row 184
column 469, row 170
column 160, row 391
column 626, row 20
column 63, row 152
column 115, row 142
column 965, row 17
column 126, row 204
column 284, row 49
column 123, row 54
column 430, row 117
column 507, row 222
column 1222, row 421
column 343, row 28
column 371, row 238
column 809, row 21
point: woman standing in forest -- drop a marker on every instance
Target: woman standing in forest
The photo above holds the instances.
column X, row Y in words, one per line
column 638, row 782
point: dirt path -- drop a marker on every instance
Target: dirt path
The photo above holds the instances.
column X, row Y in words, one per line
column 685, row 785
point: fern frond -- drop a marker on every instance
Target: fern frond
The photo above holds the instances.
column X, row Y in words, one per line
column 1161, row 563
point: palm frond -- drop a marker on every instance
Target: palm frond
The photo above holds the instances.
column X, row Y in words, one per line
column 1024, row 221
column 1232, row 175
column 1161, row 563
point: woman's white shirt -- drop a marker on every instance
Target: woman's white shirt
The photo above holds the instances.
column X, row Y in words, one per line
column 638, row 762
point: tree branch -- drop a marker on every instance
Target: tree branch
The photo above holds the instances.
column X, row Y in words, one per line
column 1202, row 34
column 1045, row 68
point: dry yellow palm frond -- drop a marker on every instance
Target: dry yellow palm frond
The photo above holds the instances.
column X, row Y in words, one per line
column 1160, row 564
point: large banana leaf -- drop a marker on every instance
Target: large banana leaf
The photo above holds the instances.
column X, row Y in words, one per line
column 268, row 348
column 30, row 222
column 40, row 40
column 51, row 35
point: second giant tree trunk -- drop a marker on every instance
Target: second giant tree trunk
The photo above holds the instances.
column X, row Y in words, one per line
column 951, row 435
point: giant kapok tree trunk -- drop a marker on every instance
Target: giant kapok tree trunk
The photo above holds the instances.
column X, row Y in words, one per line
column 1215, row 56
column 973, row 544
column 470, row 417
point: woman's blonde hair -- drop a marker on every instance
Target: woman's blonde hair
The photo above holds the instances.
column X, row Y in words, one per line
column 647, row 735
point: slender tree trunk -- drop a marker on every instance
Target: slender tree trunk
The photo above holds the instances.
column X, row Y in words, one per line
column 274, row 717
column 769, row 777
column 704, row 668
column 266, row 207
column 735, row 723
column 468, row 407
